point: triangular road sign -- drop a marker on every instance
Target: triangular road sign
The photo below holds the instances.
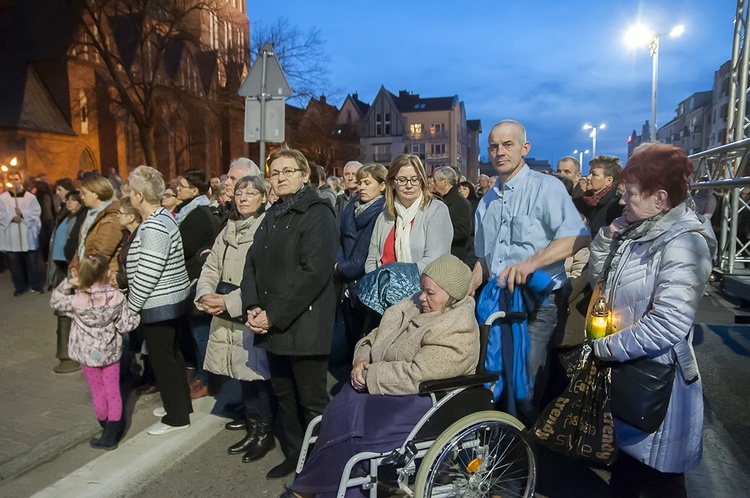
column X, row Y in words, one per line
column 276, row 83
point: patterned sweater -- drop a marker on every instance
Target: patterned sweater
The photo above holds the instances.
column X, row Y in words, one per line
column 157, row 278
column 99, row 316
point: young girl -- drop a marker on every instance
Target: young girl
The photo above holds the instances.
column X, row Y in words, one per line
column 100, row 314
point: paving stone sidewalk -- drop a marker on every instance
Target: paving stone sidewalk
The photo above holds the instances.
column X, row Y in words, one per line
column 41, row 413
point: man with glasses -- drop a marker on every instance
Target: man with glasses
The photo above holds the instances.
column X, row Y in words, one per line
column 525, row 222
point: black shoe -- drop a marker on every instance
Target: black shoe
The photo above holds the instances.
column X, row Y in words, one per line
column 235, row 425
column 108, row 440
column 19, row 293
column 262, row 443
column 242, row 445
column 288, row 466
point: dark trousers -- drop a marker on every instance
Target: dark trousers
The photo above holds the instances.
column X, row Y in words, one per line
column 169, row 369
column 356, row 322
column 256, row 396
column 299, row 384
column 25, row 270
column 633, row 479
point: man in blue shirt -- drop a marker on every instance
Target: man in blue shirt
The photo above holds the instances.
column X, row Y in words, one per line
column 525, row 222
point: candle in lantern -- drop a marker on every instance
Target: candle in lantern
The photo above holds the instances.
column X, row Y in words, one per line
column 597, row 325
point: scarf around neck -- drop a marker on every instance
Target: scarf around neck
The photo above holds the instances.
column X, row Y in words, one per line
column 88, row 222
column 194, row 203
column 404, row 217
column 280, row 207
column 362, row 207
column 592, row 198
column 632, row 232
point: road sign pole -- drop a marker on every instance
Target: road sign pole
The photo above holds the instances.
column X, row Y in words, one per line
column 262, row 158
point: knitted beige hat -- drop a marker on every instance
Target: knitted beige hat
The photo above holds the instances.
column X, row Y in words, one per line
column 451, row 274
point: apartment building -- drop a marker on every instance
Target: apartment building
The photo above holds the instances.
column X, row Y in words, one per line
column 435, row 129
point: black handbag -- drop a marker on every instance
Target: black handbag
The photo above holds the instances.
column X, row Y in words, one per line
column 640, row 393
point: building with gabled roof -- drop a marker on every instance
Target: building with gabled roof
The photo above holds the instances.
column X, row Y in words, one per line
column 435, row 129
column 58, row 111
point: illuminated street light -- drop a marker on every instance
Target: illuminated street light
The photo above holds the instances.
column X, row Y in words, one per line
column 640, row 35
column 4, row 168
column 593, row 134
column 580, row 156
column 14, row 162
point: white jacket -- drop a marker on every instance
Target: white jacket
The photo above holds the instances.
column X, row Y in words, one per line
column 654, row 297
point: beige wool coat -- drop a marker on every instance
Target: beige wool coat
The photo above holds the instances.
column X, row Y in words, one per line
column 230, row 350
column 410, row 346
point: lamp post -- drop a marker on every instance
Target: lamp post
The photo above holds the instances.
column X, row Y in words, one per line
column 640, row 35
column 593, row 133
column 580, row 156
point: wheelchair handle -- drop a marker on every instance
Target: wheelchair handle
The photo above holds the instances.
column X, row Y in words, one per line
column 508, row 316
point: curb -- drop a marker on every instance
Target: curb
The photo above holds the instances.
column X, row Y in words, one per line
column 46, row 451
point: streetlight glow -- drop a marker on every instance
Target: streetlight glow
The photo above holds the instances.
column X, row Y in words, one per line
column 580, row 156
column 677, row 30
column 14, row 162
column 4, row 168
column 640, row 35
column 592, row 135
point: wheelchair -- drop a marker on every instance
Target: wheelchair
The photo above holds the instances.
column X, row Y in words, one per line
column 462, row 446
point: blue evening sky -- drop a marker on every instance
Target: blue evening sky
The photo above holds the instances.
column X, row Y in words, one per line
column 553, row 65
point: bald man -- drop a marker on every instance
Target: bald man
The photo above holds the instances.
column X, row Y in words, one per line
column 569, row 167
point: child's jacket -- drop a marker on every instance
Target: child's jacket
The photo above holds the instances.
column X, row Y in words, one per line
column 99, row 317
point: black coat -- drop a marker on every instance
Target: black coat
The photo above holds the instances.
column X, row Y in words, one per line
column 606, row 210
column 459, row 209
column 198, row 231
column 288, row 273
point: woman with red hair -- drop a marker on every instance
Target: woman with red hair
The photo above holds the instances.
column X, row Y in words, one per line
column 651, row 266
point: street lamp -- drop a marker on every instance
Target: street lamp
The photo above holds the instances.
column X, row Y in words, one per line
column 594, row 130
column 580, row 156
column 640, row 35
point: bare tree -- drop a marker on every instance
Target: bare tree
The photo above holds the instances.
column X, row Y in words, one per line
column 300, row 54
column 139, row 46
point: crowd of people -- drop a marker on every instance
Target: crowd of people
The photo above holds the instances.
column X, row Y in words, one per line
column 243, row 277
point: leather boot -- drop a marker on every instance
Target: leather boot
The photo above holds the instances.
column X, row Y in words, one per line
column 108, row 440
column 242, row 446
column 262, row 443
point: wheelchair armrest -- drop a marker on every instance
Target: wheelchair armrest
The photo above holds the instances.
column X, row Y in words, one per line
column 429, row 386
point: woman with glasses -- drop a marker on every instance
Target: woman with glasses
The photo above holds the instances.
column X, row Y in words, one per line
column 414, row 227
column 287, row 290
column 231, row 351
column 198, row 229
column 169, row 200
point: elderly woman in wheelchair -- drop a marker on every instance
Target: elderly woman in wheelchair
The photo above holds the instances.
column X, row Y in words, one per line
column 382, row 429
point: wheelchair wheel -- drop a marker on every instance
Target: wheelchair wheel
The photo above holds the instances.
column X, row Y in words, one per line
column 485, row 454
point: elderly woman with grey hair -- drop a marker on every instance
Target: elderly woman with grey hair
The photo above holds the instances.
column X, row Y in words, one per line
column 159, row 289
column 446, row 186
column 231, row 351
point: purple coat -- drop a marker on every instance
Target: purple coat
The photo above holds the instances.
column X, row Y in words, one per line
column 99, row 316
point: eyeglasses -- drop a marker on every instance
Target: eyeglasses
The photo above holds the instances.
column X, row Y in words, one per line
column 286, row 171
column 167, row 195
column 245, row 193
column 401, row 181
column 180, row 186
